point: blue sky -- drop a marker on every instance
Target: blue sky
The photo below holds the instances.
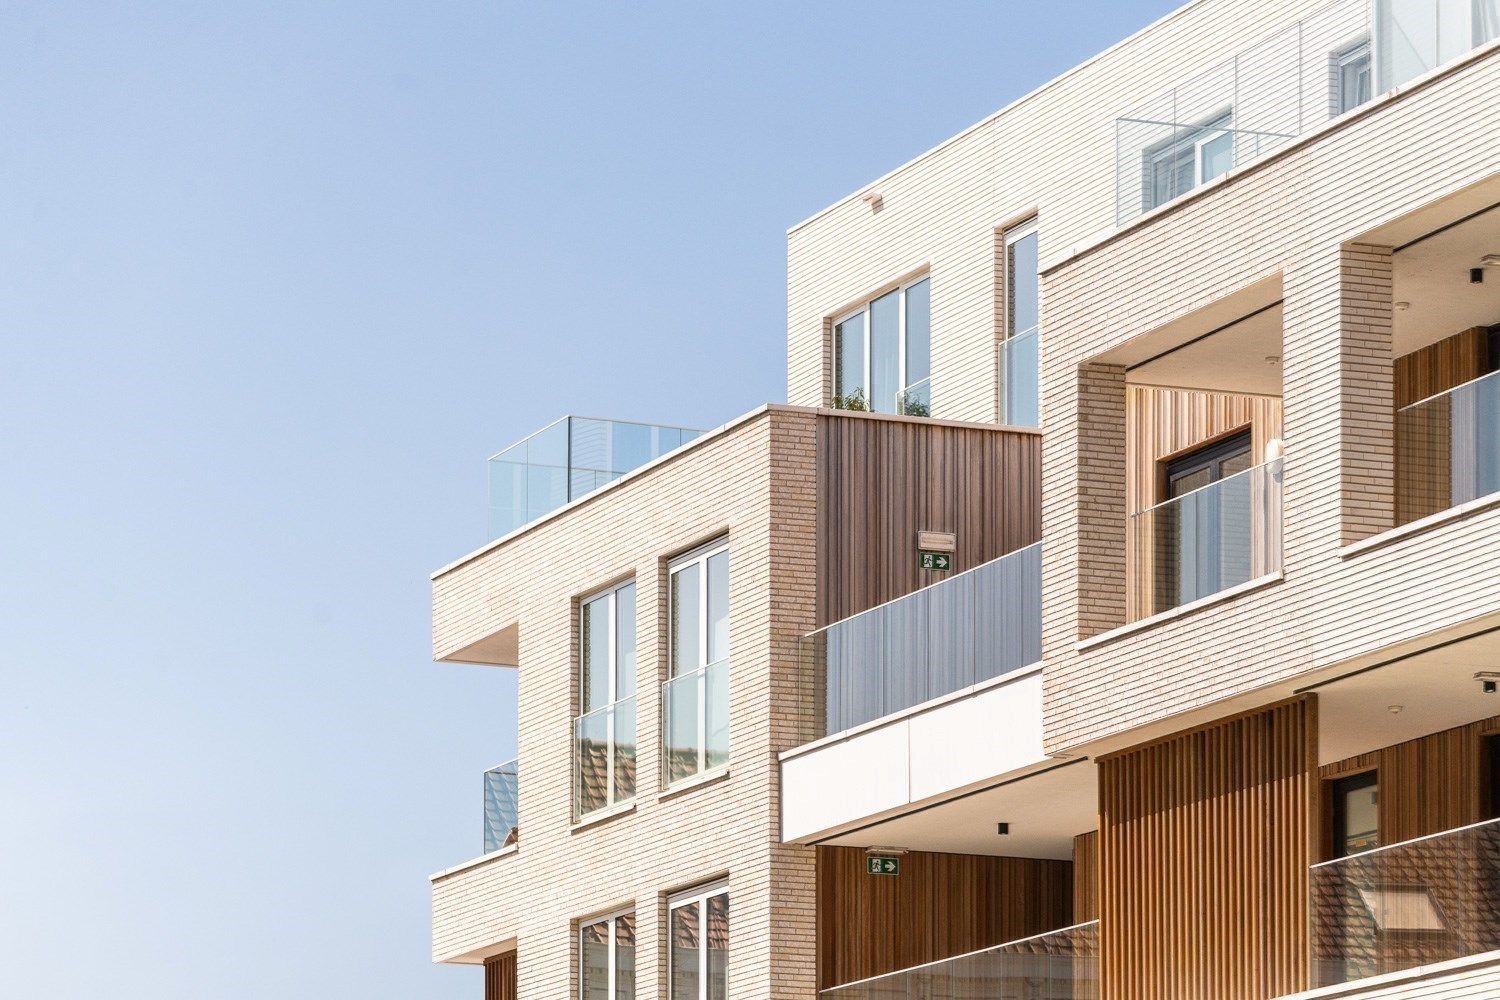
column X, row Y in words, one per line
column 275, row 278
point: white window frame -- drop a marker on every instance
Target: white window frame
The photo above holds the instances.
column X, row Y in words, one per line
column 700, row 557
column 1014, row 235
column 700, row 895
column 611, row 921
column 1201, row 162
column 1361, row 50
column 867, row 311
column 612, row 595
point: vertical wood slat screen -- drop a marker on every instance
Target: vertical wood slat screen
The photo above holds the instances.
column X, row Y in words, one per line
column 1204, row 844
column 1161, row 422
column 940, row 905
column 1423, row 474
column 882, row 481
column 1086, row 877
column 500, row 977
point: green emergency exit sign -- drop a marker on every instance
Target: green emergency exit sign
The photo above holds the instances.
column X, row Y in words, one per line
column 937, row 560
column 883, row 866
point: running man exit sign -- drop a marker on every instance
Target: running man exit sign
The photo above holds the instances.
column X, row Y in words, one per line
column 882, row 866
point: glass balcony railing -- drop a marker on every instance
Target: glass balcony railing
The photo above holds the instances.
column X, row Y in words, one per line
column 1448, row 449
column 567, row 459
column 915, row 400
column 952, row 635
column 1413, row 37
column 604, row 757
column 1196, row 545
column 1243, row 108
column 1422, row 901
column 1019, row 380
column 1060, row 965
column 695, row 714
column 501, row 827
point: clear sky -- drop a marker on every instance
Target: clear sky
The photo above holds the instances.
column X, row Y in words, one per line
column 275, row 278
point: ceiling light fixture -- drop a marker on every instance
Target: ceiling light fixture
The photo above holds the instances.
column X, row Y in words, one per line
column 1401, row 307
column 884, row 852
column 1395, row 709
column 1490, row 260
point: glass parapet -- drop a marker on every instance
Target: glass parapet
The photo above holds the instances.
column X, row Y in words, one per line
column 604, row 757
column 501, row 826
column 1448, row 449
column 1060, row 965
column 695, row 714
column 969, row 628
column 1194, row 546
column 1019, row 380
column 1414, row 903
column 567, row 459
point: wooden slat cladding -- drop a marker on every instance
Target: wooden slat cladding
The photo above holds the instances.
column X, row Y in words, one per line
column 1427, row 785
column 1162, row 423
column 1203, row 852
column 1086, row 877
column 1423, row 475
column 882, row 481
column 1437, row 367
column 940, row 905
column 500, row 977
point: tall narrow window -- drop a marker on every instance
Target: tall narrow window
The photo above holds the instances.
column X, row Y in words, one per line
column 1356, row 814
column 698, row 941
column 606, row 958
column 882, row 354
column 695, row 700
column 1203, row 545
column 604, row 732
column 1019, row 398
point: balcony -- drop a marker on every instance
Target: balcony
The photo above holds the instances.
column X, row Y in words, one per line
column 501, row 827
column 1060, row 965
column 1448, row 449
column 1282, row 87
column 567, row 459
column 1212, row 539
column 953, row 635
column 1411, row 904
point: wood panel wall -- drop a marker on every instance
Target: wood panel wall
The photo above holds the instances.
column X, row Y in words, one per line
column 1204, row 843
column 940, row 905
column 1423, row 473
column 1163, row 423
column 500, row 977
column 1086, row 877
column 1427, row 785
column 880, row 481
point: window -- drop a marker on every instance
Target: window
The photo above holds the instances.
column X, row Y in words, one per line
column 1205, row 523
column 698, row 940
column 1194, row 155
column 695, row 700
column 1490, row 767
column 1019, row 352
column 882, row 354
column 604, row 732
column 1355, row 816
column 606, row 958
column 1352, row 81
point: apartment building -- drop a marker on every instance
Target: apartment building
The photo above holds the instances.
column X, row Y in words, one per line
column 1112, row 610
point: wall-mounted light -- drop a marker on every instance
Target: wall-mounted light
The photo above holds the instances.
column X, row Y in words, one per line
column 1490, row 260
column 1401, row 307
column 1487, row 681
column 874, row 199
column 885, row 852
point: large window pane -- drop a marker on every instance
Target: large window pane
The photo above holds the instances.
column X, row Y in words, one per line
column 625, row 641
column 595, row 654
column 593, row 954
column 625, row 957
column 687, row 981
column 1022, row 292
column 718, row 947
column 885, row 352
column 686, row 627
column 718, row 607
column 918, row 332
column 849, row 361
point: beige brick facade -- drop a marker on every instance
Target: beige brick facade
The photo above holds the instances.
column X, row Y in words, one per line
column 753, row 484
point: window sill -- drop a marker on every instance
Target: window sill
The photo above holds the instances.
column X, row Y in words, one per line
column 603, row 815
column 1179, row 612
column 694, row 783
column 1420, row 525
